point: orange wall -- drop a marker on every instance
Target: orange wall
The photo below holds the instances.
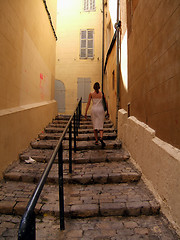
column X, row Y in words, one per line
column 27, row 69
column 153, row 66
column 27, row 50
column 110, row 85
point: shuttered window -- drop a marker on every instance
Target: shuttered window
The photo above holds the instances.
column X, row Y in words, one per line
column 89, row 5
column 83, row 88
column 87, row 44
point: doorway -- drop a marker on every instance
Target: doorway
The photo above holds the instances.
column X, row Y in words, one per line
column 60, row 95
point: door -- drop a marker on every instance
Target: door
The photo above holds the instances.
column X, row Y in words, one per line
column 60, row 95
column 83, row 88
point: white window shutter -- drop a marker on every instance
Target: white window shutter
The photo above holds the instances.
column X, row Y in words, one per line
column 86, row 5
column 83, row 44
column 87, row 44
column 90, row 44
column 89, row 5
column 92, row 5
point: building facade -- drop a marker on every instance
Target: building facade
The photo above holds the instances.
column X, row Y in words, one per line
column 78, row 52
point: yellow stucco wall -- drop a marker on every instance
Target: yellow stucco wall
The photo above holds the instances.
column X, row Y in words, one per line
column 71, row 18
column 158, row 161
column 110, row 76
column 27, row 69
column 150, row 83
column 153, row 66
column 149, row 64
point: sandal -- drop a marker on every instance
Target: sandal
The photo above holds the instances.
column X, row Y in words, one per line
column 102, row 143
column 96, row 142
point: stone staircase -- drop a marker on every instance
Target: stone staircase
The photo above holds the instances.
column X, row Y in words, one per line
column 104, row 190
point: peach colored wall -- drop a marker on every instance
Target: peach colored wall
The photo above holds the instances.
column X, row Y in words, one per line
column 19, row 126
column 110, row 86
column 27, row 51
column 153, row 67
column 158, row 160
column 27, row 69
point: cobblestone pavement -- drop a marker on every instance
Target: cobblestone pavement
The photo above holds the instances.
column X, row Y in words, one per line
column 105, row 197
column 104, row 228
column 83, row 156
column 81, row 200
column 102, row 172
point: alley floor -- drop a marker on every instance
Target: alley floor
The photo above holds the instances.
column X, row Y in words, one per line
column 105, row 228
column 105, row 196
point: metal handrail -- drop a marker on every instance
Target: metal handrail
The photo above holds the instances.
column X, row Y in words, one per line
column 27, row 226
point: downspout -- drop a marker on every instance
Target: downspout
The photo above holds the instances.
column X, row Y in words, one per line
column 117, row 26
column 103, row 47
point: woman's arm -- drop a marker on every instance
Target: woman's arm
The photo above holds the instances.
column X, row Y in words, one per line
column 88, row 104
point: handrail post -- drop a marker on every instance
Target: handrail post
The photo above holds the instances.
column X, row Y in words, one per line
column 70, row 147
column 78, row 117
column 79, row 112
column 74, row 132
column 77, row 122
column 61, row 190
column 28, row 227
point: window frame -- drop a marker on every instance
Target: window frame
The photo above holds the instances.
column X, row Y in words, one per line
column 89, row 5
column 85, row 42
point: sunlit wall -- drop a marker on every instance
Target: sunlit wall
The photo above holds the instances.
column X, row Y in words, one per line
column 27, row 70
column 71, row 19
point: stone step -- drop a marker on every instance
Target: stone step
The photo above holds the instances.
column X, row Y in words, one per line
column 84, row 156
column 80, row 131
column 89, row 173
column 81, row 200
column 62, row 117
column 82, row 126
column 104, row 186
column 67, row 117
column 102, row 228
column 51, row 144
column 82, row 122
column 80, row 137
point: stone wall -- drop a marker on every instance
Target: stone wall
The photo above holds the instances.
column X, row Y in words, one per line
column 158, row 160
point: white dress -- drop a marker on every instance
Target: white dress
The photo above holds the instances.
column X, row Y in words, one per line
column 97, row 113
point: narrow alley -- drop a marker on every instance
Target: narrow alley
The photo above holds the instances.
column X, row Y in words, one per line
column 61, row 62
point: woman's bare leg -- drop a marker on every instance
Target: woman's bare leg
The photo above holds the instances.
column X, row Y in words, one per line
column 96, row 134
column 101, row 139
column 101, row 134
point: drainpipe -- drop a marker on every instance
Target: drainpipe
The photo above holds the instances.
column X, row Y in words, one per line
column 117, row 26
column 103, row 46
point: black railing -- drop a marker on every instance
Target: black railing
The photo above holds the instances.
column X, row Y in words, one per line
column 27, row 228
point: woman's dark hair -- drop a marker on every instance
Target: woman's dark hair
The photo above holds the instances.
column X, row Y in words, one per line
column 96, row 87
